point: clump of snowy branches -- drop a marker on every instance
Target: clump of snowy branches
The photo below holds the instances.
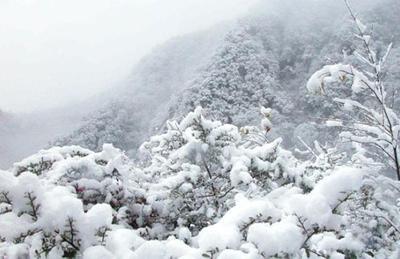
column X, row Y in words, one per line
column 373, row 122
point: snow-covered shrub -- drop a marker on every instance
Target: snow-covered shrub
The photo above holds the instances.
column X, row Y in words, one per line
column 94, row 177
column 57, row 195
column 198, row 166
column 288, row 223
column 39, row 219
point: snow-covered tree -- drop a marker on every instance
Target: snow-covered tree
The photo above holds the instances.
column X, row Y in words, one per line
column 373, row 122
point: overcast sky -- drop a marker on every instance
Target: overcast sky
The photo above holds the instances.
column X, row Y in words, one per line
column 55, row 51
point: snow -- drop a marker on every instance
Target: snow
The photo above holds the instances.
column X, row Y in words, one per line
column 15, row 251
column 246, row 209
column 329, row 242
column 313, row 207
column 96, row 252
column 11, row 225
column 266, row 124
column 345, row 179
column 177, row 249
column 152, row 249
column 283, row 236
column 219, row 236
column 99, row 215
column 122, row 242
column 184, row 234
column 360, row 25
column 334, row 123
column 217, row 135
column 58, row 206
column 235, row 254
column 239, row 173
column 336, row 73
column 108, row 152
column 266, row 112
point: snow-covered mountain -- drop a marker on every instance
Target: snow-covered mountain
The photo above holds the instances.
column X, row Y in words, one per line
column 262, row 59
column 143, row 100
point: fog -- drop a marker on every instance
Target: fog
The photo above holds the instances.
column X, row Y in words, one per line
column 55, row 52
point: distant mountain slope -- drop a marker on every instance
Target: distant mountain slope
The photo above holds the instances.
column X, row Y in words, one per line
column 22, row 134
column 143, row 99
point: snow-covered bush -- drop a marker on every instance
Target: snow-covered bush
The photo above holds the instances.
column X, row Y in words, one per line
column 288, row 223
column 198, row 165
column 65, row 199
column 186, row 166
column 39, row 219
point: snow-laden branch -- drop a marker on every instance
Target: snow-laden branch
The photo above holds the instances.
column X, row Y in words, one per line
column 374, row 124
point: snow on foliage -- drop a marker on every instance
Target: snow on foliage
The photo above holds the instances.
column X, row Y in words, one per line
column 373, row 122
column 203, row 190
